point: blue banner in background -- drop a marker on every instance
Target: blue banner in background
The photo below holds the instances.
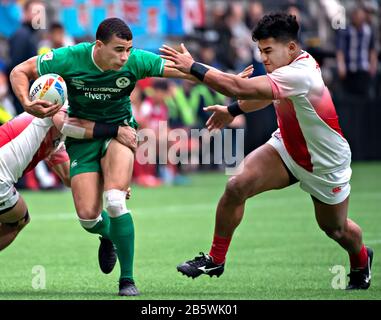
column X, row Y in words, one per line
column 150, row 20
column 147, row 20
column 10, row 17
column 174, row 18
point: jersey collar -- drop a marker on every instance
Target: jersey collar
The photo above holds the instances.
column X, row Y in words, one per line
column 92, row 58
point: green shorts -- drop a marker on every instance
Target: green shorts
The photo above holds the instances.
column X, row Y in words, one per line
column 85, row 155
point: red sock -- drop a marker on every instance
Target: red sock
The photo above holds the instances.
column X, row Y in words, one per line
column 360, row 260
column 219, row 249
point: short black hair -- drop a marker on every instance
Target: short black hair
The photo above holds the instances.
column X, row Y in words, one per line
column 113, row 26
column 280, row 26
column 56, row 26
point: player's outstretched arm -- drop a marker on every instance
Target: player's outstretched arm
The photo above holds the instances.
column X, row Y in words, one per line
column 20, row 77
column 86, row 129
column 170, row 71
column 228, row 84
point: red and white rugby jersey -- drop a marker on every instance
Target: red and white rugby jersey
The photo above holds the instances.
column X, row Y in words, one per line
column 307, row 118
column 24, row 142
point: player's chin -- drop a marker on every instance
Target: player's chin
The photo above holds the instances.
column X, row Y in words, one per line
column 117, row 67
column 269, row 68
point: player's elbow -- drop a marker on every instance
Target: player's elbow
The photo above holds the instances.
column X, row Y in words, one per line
column 17, row 73
column 14, row 73
column 233, row 90
column 26, row 69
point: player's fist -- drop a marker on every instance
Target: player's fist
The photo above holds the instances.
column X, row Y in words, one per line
column 41, row 108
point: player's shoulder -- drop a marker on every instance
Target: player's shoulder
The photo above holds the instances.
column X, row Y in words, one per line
column 304, row 60
column 141, row 53
column 76, row 50
column 299, row 68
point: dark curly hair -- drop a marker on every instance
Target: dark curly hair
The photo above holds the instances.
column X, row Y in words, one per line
column 280, row 26
column 111, row 26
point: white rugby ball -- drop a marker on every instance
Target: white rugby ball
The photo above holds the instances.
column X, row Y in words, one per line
column 49, row 87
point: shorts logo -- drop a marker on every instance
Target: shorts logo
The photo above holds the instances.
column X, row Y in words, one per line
column 48, row 56
column 74, row 164
column 123, row 82
column 336, row 189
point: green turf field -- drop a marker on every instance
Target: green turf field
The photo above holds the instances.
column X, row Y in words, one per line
column 278, row 251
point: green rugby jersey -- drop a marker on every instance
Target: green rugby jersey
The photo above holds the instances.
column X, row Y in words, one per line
column 94, row 94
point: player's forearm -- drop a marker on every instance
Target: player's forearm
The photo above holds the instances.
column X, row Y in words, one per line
column 170, row 72
column 253, row 105
column 85, row 129
column 228, row 84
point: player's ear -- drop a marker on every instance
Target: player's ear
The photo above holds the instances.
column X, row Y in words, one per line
column 292, row 47
column 98, row 43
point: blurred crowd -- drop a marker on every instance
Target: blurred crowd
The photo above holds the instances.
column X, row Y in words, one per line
column 344, row 37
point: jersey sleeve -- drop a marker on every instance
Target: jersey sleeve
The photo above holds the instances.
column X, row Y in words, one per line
column 57, row 157
column 148, row 64
column 56, row 61
column 289, row 81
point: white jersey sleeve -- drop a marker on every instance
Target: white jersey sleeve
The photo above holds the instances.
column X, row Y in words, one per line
column 289, row 81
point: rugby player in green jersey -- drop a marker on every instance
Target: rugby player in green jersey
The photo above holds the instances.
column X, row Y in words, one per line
column 100, row 77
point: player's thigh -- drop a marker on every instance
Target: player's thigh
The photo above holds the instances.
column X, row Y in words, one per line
column 16, row 213
column 263, row 169
column 331, row 216
column 87, row 191
column 117, row 165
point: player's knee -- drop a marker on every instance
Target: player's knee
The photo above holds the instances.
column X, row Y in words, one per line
column 87, row 213
column 236, row 189
column 89, row 224
column 336, row 233
column 115, row 202
column 18, row 225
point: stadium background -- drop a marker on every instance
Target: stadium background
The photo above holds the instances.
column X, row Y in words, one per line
column 278, row 251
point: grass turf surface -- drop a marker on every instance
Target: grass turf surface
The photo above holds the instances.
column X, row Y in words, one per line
column 278, row 251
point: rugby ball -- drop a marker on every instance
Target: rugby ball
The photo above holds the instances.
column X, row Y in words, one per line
column 49, row 87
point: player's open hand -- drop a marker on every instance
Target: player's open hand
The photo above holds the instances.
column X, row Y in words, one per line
column 247, row 72
column 128, row 137
column 182, row 60
column 220, row 117
column 41, row 108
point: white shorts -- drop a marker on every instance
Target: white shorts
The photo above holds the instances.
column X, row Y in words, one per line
column 8, row 196
column 330, row 188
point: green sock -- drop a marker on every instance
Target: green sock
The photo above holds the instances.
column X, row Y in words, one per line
column 102, row 227
column 122, row 235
